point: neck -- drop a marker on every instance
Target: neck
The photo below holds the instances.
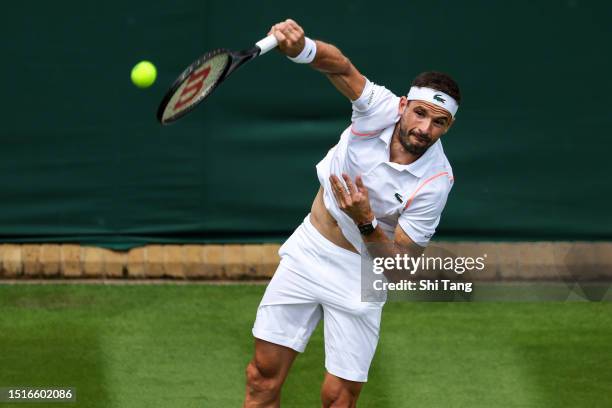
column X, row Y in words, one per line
column 397, row 153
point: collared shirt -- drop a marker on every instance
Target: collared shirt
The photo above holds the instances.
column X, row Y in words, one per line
column 412, row 195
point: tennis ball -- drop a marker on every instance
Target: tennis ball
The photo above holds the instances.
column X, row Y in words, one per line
column 144, row 74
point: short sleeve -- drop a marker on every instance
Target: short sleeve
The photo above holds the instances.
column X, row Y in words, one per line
column 376, row 109
column 422, row 213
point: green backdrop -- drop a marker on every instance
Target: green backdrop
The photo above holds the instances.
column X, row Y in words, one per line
column 83, row 158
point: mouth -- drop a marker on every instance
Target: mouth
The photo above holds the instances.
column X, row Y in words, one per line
column 421, row 139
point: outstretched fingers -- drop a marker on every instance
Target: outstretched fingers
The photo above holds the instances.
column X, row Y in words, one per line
column 340, row 192
column 349, row 184
column 360, row 186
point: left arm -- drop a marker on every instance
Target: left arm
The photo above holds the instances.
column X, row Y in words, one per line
column 356, row 204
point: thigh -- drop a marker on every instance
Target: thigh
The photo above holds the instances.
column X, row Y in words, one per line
column 288, row 325
column 350, row 340
column 273, row 360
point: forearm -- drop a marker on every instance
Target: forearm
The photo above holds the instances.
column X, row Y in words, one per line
column 339, row 70
column 330, row 60
column 379, row 245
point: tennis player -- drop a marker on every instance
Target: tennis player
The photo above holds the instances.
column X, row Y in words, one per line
column 385, row 181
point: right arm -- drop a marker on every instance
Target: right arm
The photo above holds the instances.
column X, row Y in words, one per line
column 328, row 60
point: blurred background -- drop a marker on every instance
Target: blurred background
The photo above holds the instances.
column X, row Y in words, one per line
column 84, row 164
column 83, row 158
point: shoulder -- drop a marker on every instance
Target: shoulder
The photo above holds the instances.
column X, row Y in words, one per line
column 376, row 109
column 372, row 96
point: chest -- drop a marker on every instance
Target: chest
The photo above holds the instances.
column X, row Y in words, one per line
column 388, row 190
column 389, row 186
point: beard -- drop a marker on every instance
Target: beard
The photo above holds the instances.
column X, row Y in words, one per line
column 416, row 149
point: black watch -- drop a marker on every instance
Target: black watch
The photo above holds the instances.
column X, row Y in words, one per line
column 367, row 229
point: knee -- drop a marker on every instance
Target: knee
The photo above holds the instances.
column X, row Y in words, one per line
column 263, row 381
column 337, row 396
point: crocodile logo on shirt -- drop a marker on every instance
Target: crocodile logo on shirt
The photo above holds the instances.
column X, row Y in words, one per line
column 439, row 98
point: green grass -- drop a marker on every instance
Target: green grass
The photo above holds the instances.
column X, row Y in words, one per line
column 187, row 346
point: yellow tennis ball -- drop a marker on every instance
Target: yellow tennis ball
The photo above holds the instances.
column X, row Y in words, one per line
column 144, row 74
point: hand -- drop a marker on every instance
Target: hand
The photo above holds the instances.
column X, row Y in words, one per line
column 290, row 37
column 353, row 201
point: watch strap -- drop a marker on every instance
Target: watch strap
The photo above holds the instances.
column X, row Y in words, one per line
column 368, row 228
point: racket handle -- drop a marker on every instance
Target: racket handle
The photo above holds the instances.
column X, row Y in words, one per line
column 267, row 44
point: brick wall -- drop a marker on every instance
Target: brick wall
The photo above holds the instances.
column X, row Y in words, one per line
column 152, row 261
column 505, row 261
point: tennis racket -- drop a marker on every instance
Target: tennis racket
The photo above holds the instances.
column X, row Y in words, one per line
column 203, row 76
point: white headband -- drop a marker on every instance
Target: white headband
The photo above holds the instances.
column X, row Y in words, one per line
column 433, row 96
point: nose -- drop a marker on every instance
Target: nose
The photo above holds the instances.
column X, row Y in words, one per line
column 424, row 125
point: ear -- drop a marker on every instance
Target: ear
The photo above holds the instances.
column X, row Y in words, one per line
column 403, row 104
column 449, row 125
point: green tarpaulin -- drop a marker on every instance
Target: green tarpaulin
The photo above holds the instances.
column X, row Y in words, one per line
column 83, row 159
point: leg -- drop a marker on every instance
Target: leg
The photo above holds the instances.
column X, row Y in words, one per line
column 281, row 332
column 266, row 374
column 339, row 393
column 351, row 337
column 286, row 317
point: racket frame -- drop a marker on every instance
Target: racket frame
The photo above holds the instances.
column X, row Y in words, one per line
column 237, row 59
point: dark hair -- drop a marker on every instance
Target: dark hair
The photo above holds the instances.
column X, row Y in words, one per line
column 440, row 82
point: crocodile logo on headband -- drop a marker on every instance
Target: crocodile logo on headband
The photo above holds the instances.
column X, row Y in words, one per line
column 439, row 98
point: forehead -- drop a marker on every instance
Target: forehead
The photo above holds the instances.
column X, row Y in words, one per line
column 432, row 109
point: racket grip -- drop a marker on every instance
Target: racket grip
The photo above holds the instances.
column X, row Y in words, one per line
column 267, row 44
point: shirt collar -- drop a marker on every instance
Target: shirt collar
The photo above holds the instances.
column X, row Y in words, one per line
column 418, row 167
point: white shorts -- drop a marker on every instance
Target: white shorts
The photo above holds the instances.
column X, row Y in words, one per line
column 315, row 279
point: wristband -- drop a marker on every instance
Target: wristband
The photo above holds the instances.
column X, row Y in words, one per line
column 308, row 53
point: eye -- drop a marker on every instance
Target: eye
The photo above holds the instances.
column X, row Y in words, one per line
column 439, row 123
column 419, row 112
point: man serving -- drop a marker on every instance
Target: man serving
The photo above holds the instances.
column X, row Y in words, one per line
column 386, row 181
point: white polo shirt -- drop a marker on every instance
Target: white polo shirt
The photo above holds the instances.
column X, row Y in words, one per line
column 412, row 195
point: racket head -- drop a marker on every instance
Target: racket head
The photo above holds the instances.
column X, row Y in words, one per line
column 194, row 84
